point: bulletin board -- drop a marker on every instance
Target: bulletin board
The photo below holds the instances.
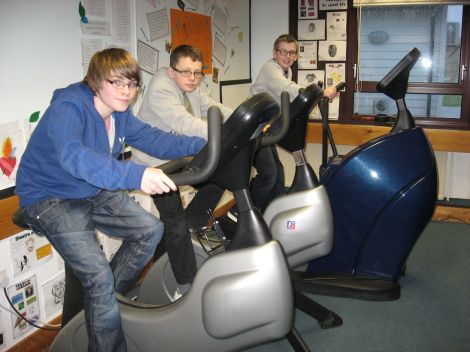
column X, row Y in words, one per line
column 47, row 45
column 220, row 28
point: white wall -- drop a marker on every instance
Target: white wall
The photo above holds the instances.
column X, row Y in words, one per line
column 269, row 19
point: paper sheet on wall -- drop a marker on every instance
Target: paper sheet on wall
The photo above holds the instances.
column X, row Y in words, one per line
column 336, row 25
column 24, row 296
column 147, row 56
column 332, row 50
column 121, row 21
column 12, row 147
column 308, row 58
column 28, row 251
column 333, row 4
column 335, row 73
column 308, row 9
column 307, row 77
column 311, row 30
column 53, row 296
column 220, row 19
column 158, row 24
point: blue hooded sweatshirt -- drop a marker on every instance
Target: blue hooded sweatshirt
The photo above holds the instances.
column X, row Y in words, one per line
column 69, row 157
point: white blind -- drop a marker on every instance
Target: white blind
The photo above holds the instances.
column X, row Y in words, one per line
column 358, row 3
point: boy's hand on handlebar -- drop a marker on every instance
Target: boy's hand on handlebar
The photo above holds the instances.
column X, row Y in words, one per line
column 330, row 92
column 154, row 181
column 266, row 128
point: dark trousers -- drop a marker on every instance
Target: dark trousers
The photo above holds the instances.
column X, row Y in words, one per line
column 176, row 236
column 269, row 181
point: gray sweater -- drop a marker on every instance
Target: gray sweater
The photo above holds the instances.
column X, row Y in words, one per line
column 163, row 107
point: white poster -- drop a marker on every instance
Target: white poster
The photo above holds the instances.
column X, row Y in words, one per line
column 13, row 145
column 24, row 297
column 53, row 292
column 308, row 9
column 311, row 30
column 28, row 251
column 334, row 50
column 307, row 55
column 158, row 24
column 147, row 56
column 308, row 77
column 333, row 4
column 336, row 25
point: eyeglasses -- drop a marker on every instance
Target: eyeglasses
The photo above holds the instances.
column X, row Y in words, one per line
column 184, row 73
column 287, row 53
column 132, row 85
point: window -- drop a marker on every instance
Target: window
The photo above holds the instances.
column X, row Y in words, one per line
column 379, row 36
column 436, row 89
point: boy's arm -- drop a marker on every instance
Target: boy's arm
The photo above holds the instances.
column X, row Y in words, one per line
column 160, row 144
column 206, row 102
column 276, row 83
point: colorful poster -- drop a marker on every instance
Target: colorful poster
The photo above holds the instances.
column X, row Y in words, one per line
column 308, row 9
column 24, row 297
column 13, row 144
column 28, row 251
column 335, row 74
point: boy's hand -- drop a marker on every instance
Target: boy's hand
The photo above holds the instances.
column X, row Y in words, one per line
column 154, row 181
column 330, row 92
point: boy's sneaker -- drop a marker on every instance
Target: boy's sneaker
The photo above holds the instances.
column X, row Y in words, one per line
column 232, row 213
column 181, row 289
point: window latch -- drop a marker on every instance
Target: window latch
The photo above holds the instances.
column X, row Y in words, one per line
column 354, row 70
column 462, row 72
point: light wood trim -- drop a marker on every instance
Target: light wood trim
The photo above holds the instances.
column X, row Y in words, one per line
column 345, row 134
column 40, row 340
column 8, row 206
column 452, row 214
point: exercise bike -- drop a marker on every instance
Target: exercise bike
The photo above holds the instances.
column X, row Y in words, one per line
column 383, row 193
column 301, row 220
column 226, row 308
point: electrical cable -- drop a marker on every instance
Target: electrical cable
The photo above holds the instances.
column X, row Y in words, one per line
column 45, row 326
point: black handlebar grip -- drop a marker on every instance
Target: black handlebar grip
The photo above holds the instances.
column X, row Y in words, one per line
column 340, row 86
column 194, row 174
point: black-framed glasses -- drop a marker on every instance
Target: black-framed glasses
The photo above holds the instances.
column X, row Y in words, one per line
column 287, row 52
column 185, row 73
column 117, row 83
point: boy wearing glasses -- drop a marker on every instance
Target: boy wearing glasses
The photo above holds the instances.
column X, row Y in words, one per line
column 70, row 183
column 174, row 103
column 274, row 78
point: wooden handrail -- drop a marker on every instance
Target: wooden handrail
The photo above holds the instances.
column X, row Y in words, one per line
column 346, row 134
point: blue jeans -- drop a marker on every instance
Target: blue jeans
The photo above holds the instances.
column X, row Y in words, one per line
column 69, row 225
